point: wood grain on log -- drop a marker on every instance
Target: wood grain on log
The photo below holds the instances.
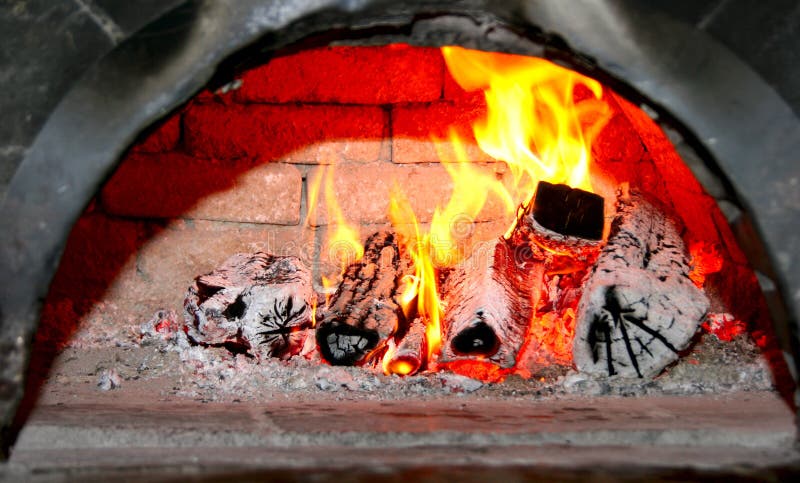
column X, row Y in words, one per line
column 639, row 308
column 257, row 302
column 362, row 313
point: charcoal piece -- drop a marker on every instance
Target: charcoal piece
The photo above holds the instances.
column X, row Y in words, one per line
column 362, row 314
column 639, row 307
column 568, row 211
column 258, row 303
column 411, row 353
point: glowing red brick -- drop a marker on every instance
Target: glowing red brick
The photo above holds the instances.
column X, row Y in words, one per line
column 348, row 75
column 302, row 134
column 421, row 132
column 163, row 137
column 173, row 185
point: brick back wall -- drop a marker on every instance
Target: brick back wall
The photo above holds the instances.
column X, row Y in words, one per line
column 230, row 172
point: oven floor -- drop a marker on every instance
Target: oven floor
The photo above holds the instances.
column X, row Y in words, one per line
column 137, row 433
column 221, row 418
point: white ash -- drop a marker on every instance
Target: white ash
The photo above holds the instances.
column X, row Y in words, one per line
column 457, row 383
column 109, row 379
column 215, row 374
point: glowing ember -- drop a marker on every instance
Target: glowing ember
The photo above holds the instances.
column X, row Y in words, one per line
column 705, row 260
column 724, row 326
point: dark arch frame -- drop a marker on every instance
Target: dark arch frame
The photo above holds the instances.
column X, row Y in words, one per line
column 730, row 114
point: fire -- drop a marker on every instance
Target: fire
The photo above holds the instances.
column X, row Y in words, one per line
column 390, row 365
column 342, row 239
column 705, row 260
column 533, row 122
column 536, row 127
column 423, row 285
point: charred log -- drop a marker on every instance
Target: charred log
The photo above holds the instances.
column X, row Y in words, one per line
column 258, row 302
column 639, row 307
column 363, row 314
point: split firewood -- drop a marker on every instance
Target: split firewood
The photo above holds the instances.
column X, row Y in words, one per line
column 362, row 314
column 411, row 353
column 639, row 307
column 259, row 303
column 489, row 306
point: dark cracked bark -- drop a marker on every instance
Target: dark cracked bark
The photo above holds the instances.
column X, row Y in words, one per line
column 639, row 308
column 363, row 313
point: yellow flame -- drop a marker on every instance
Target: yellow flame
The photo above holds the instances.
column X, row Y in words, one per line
column 391, row 350
column 472, row 186
column 532, row 122
column 424, row 283
column 343, row 240
column 534, row 125
column 390, row 365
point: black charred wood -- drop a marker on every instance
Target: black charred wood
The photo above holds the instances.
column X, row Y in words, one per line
column 363, row 313
column 568, row 211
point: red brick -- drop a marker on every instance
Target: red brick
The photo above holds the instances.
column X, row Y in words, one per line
column 301, row 134
column 348, row 75
column 173, row 185
column 735, row 290
column 98, row 250
column 363, row 194
column 726, row 233
column 419, row 132
column 619, row 143
column 661, row 150
column 162, row 137
column 453, row 91
column 176, row 253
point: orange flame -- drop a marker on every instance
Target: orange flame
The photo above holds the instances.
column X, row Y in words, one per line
column 536, row 127
column 342, row 239
column 423, row 285
column 533, row 122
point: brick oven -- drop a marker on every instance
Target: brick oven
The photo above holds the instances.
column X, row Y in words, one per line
column 246, row 232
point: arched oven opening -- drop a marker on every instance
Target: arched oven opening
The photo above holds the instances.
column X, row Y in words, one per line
column 318, row 199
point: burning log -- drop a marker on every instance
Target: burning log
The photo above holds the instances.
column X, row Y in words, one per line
column 411, row 352
column 490, row 306
column 639, row 307
column 257, row 302
column 363, row 314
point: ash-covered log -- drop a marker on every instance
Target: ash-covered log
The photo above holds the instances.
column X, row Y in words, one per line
column 639, row 307
column 489, row 306
column 411, row 353
column 258, row 303
column 362, row 314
